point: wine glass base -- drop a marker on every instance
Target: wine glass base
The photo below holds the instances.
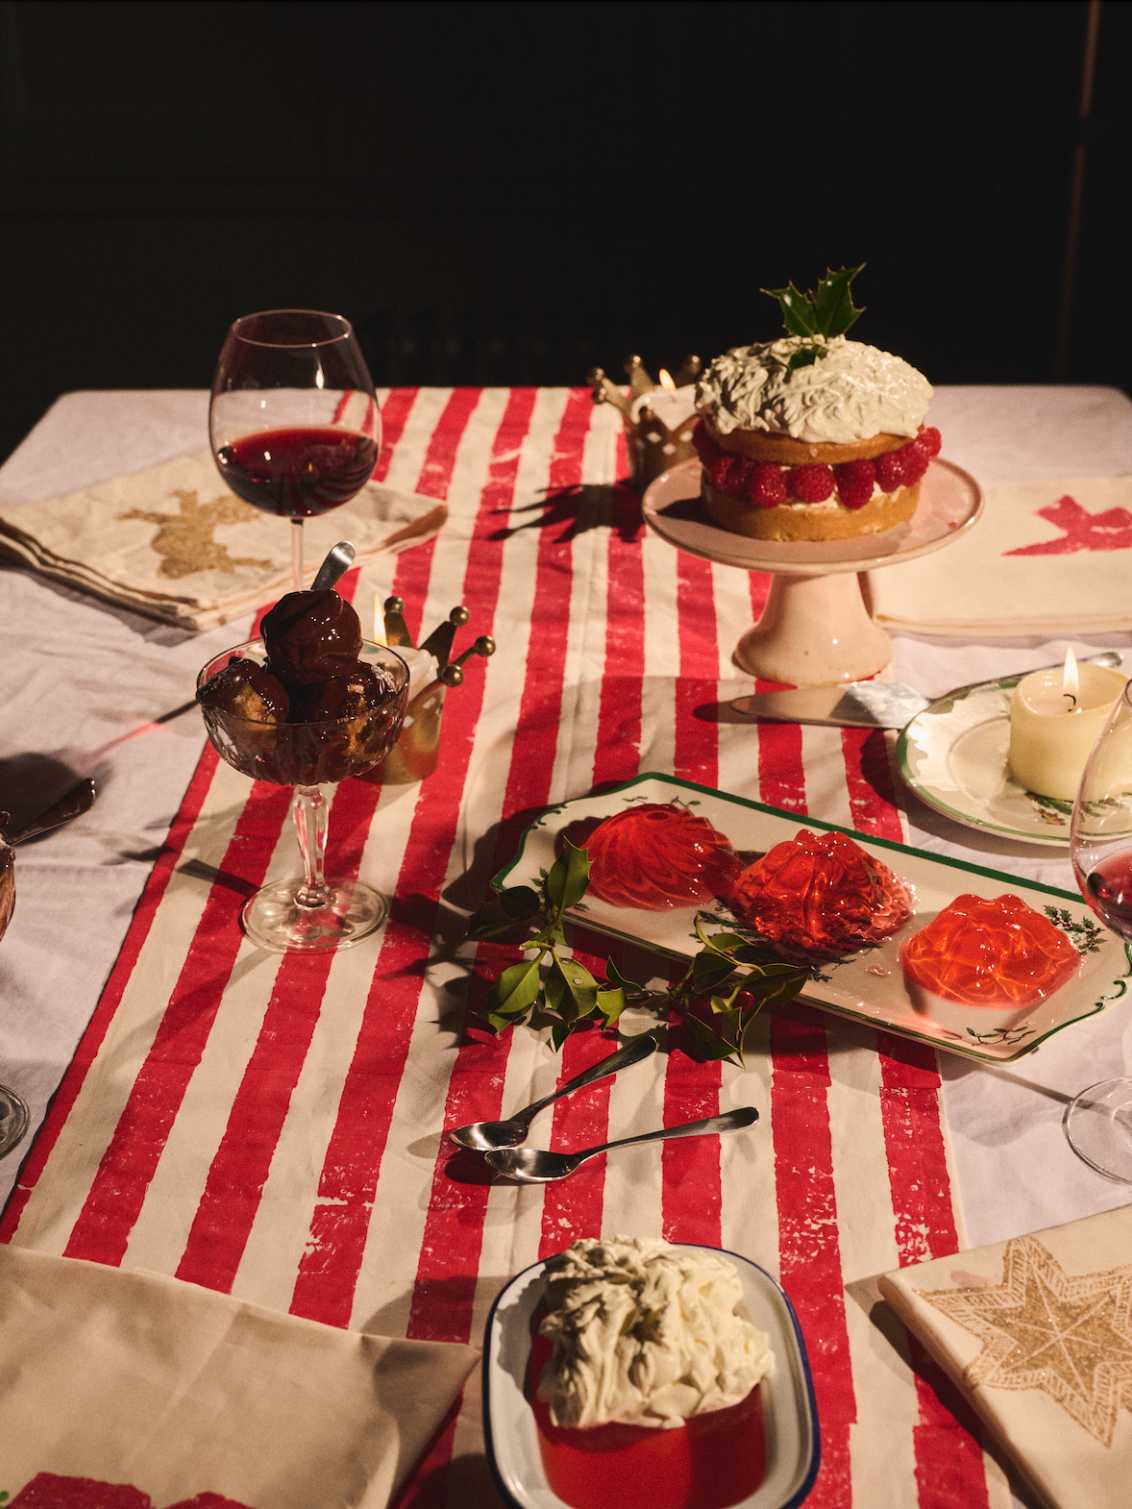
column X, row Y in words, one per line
column 13, row 1120
column 274, row 920
column 1098, row 1125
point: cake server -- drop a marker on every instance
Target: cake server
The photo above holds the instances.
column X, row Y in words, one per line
column 865, row 704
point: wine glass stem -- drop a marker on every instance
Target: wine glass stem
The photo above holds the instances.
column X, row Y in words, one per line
column 297, row 554
column 309, row 811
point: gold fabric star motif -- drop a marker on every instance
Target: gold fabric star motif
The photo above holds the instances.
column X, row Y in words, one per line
column 1044, row 1329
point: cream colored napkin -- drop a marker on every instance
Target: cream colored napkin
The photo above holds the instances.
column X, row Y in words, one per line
column 131, row 1378
column 1037, row 1333
column 172, row 542
column 1045, row 558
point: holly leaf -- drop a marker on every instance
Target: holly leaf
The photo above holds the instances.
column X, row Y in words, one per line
column 615, row 977
column 832, row 301
column 567, row 878
column 721, row 943
column 554, row 987
column 804, row 358
column 580, row 985
column 559, row 1032
column 710, row 970
column 611, row 1003
column 515, row 989
column 710, row 1044
column 798, row 313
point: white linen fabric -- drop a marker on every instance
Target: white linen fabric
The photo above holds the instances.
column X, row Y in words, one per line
column 120, row 1377
column 91, row 686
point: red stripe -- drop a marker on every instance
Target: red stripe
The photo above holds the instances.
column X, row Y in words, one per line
column 398, row 405
column 868, row 777
column 573, row 1209
column 949, row 1459
column 72, row 1082
column 808, row 1244
column 327, row 1276
column 340, row 406
column 444, row 1292
column 436, row 474
column 118, row 1189
column 691, row 1191
column 618, row 749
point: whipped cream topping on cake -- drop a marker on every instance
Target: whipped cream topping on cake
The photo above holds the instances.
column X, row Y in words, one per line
column 851, row 392
column 646, row 1334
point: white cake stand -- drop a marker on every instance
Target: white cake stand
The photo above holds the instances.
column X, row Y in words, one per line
column 816, row 629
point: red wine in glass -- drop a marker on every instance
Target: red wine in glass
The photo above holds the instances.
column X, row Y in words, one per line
column 1108, row 890
column 298, row 473
column 293, row 421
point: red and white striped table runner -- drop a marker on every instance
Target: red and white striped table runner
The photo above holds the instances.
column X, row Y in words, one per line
column 272, row 1126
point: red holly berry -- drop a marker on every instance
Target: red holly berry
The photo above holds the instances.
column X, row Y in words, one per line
column 890, row 470
column 855, row 480
column 766, row 485
column 929, row 437
column 810, row 484
column 916, row 460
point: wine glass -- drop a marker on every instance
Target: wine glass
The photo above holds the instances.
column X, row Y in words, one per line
column 13, row 1111
column 293, row 420
column 1098, row 1123
column 311, row 913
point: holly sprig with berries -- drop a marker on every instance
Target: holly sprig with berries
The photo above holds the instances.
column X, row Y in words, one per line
column 724, row 987
column 825, row 311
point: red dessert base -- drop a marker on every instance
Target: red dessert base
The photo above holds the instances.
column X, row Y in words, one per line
column 712, row 1462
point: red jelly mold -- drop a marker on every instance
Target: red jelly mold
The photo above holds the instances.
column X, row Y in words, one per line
column 989, row 953
column 820, row 893
column 657, row 856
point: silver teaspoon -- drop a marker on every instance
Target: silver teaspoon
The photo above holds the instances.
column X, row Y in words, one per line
column 76, row 801
column 339, row 559
column 481, row 1136
column 530, row 1165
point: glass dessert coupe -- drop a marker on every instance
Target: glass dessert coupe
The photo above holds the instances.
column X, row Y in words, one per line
column 293, row 420
column 311, row 913
column 1098, row 1123
column 13, row 1111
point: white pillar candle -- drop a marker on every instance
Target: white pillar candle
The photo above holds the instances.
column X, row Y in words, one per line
column 1053, row 729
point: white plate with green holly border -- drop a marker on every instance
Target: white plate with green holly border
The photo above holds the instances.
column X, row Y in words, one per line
column 953, row 756
column 868, row 986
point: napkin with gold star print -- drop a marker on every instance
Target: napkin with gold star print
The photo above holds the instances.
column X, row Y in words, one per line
column 173, row 543
column 1037, row 1333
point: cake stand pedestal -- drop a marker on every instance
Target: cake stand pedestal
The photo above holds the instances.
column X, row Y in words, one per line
column 815, row 629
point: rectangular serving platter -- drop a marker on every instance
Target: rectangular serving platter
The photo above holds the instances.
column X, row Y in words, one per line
column 867, row 987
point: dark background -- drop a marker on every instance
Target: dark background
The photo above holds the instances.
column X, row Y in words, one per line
column 509, row 193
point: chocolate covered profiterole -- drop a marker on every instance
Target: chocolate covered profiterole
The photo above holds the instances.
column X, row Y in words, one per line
column 247, row 689
column 311, row 637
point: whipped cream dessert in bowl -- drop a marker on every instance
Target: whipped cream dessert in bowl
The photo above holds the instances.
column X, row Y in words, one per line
column 650, row 1375
column 812, row 436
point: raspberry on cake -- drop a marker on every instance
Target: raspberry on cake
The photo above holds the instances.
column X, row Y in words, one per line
column 812, row 436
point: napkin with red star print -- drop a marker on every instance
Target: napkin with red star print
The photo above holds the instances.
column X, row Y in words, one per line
column 1044, row 558
column 1037, row 1334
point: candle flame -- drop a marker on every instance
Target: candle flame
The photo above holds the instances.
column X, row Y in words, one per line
column 1070, row 680
column 666, row 381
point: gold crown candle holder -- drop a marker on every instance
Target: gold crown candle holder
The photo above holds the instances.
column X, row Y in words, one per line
column 659, row 416
column 417, row 750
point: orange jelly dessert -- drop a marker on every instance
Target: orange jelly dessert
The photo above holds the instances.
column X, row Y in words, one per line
column 989, row 953
column 820, row 893
column 658, row 856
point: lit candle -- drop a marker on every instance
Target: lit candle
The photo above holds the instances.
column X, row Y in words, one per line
column 673, row 406
column 1055, row 719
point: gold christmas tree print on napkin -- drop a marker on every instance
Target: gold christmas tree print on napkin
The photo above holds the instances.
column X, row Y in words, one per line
column 186, row 541
column 1043, row 1328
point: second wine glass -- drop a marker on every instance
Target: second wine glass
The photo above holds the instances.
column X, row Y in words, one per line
column 1098, row 1123
column 293, row 420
